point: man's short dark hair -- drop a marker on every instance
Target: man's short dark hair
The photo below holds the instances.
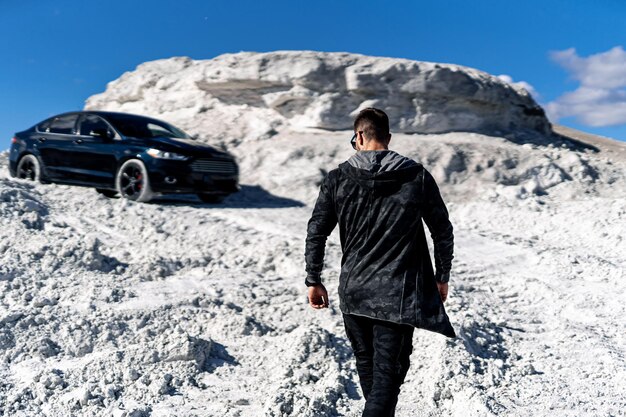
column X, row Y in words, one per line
column 374, row 124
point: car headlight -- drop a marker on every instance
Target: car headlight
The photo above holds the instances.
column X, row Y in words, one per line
column 157, row 153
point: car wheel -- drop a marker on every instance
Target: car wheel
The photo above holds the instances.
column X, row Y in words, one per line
column 107, row 193
column 28, row 168
column 211, row 198
column 132, row 181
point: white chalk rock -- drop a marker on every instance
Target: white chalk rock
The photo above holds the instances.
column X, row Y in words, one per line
column 251, row 95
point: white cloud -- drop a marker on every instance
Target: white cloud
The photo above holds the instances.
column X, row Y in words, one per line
column 600, row 100
column 508, row 79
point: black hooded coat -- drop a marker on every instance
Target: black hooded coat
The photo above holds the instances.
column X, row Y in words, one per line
column 386, row 270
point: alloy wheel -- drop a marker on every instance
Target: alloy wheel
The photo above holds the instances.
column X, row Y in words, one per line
column 132, row 181
column 28, row 168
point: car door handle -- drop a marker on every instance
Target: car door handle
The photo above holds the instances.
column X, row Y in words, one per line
column 41, row 140
column 78, row 141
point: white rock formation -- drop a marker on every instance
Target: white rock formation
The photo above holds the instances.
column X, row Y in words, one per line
column 175, row 308
column 251, row 95
column 240, row 100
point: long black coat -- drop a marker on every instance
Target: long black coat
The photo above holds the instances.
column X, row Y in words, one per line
column 386, row 271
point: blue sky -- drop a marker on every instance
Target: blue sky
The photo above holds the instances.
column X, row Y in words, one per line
column 55, row 54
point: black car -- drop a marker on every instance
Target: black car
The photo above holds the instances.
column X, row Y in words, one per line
column 119, row 153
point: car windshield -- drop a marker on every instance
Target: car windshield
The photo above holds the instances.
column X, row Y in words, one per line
column 140, row 127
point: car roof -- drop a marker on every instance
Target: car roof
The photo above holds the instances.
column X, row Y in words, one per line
column 104, row 114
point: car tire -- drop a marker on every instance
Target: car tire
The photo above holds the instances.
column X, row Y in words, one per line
column 132, row 181
column 211, row 198
column 29, row 168
column 106, row 192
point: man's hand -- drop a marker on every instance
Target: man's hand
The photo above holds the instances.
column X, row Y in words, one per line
column 443, row 290
column 318, row 296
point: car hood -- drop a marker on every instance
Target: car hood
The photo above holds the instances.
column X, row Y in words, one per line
column 185, row 146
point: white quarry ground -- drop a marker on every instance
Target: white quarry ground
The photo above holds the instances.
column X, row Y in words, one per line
column 177, row 308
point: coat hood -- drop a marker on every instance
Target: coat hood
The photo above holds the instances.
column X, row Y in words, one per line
column 380, row 161
column 382, row 170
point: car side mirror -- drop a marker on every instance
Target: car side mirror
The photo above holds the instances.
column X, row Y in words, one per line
column 103, row 133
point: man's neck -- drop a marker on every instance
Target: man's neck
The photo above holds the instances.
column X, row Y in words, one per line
column 374, row 147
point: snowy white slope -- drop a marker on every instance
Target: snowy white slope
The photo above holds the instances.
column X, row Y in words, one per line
column 178, row 308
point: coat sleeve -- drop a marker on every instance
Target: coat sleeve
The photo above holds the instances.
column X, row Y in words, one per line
column 435, row 215
column 322, row 222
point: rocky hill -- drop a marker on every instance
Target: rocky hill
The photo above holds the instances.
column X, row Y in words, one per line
column 248, row 94
column 465, row 125
column 177, row 308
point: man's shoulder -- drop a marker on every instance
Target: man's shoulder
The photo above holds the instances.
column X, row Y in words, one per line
column 335, row 172
column 330, row 177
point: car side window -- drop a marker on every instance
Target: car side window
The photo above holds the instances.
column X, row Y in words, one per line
column 90, row 123
column 157, row 130
column 44, row 126
column 64, row 124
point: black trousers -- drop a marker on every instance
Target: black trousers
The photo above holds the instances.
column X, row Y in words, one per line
column 382, row 350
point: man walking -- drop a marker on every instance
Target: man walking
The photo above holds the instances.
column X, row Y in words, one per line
column 387, row 286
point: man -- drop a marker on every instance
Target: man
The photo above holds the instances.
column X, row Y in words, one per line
column 387, row 286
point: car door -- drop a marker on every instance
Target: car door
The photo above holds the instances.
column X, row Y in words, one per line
column 93, row 151
column 53, row 144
